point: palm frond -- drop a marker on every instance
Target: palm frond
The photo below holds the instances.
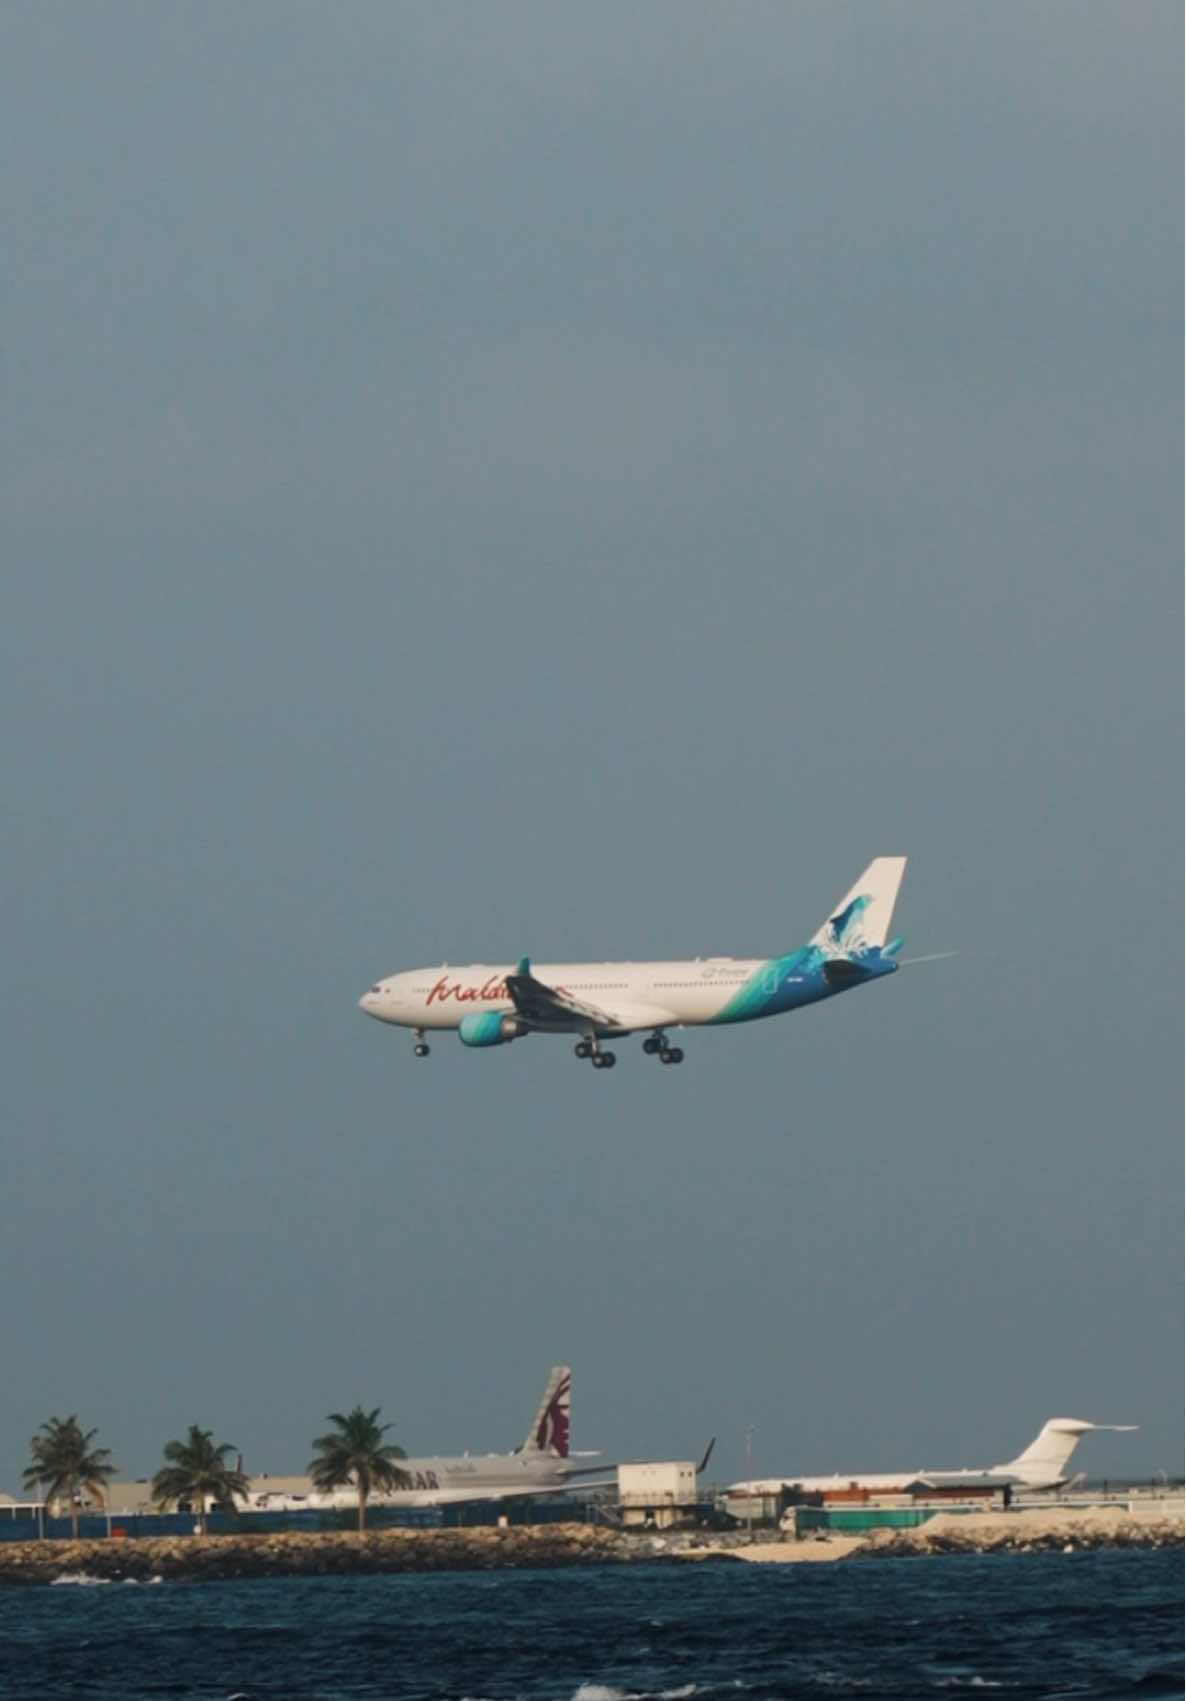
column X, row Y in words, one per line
column 354, row 1452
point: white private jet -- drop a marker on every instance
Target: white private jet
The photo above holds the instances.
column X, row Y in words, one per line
column 490, row 1005
column 1042, row 1465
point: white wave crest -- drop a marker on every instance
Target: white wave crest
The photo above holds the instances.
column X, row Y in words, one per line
column 83, row 1579
column 606, row 1692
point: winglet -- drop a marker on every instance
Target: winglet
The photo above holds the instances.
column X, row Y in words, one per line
column 524, row 966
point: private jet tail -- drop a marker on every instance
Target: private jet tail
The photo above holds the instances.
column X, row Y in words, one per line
column 552, row 1424
column 1043, row 1464
column 862, row 917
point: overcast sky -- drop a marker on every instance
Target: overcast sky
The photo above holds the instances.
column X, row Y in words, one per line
column 582, row 481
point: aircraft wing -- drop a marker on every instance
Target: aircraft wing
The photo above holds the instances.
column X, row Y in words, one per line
column 968, row 1479
column 502, row 1491
column 543, row 1006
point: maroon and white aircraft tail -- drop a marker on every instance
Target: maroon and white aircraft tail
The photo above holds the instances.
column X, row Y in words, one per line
column 552, row 1425
column 543, row 1463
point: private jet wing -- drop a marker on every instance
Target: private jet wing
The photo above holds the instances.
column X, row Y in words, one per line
column 543, row 1006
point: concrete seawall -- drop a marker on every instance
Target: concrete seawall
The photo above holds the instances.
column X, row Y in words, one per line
column 340, row 1553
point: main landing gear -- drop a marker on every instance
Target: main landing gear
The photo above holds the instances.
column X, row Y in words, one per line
column 655, row 1045
column 421, row 1047
column 591, row 1049
column 658, row 1045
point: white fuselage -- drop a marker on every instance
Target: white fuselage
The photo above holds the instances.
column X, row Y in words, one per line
column 445, row 1481
column 890, row 1482
column 1043, row 1464
column 489, row 1004
column 639, row 995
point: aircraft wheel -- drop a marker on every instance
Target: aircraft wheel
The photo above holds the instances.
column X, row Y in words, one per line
column 421, row 1050
column 665, row 1055
column 675, row 1054
column 583, row 1049
column 651, row 1045
column 608, row 1059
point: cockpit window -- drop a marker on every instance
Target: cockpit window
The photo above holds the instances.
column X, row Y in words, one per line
column 377, row 987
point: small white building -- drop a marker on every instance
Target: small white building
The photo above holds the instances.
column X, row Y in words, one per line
column 656, row 1493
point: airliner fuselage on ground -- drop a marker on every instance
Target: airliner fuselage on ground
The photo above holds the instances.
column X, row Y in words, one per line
column 489, row 1004
column 542, row 1464
column 1042, row 1465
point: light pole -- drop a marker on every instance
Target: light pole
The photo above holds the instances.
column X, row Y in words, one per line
column 749, row 1477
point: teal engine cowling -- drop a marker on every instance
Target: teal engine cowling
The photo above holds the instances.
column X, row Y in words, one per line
column 489, row 1027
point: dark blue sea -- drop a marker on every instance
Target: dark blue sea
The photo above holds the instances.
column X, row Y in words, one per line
column 1094, row 1624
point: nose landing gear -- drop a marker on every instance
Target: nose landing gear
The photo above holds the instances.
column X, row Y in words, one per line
column 421, row 1047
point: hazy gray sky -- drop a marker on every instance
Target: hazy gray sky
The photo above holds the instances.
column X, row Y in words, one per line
column 582, row 481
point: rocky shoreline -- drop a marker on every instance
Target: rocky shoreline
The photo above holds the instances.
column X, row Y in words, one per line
column 216, row 1558
column 1052, row 1529
column 340, row 1553
column 1062, row 1530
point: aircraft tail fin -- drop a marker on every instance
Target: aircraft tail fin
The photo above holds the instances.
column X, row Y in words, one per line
column 1043, row 1464
column 862, row 917
column 552, row 1424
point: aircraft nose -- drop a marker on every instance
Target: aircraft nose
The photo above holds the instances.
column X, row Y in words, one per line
column 369, row 1002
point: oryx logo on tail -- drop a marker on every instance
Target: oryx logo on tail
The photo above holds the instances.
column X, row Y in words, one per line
column 552, row 1424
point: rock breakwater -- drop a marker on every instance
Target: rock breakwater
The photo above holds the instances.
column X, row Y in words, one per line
column 1158, row 1524
column 340, row 1553
column 307, row 1554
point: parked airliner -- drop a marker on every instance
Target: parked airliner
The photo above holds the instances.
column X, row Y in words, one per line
column 1042, row 1465
column 542, row 1464
column 490, row 1005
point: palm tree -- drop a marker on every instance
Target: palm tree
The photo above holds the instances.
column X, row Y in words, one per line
column 197, row 1472
column 356, row 1452
column 63, row 1462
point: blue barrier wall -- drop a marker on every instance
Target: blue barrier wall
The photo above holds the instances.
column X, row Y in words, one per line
column 93, row 1527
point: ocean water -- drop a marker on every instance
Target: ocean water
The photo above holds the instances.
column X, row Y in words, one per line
column 1094, row 1624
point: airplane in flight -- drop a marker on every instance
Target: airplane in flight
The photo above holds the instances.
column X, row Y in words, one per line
column 489, row 1005
column 1042, row 1465
column 541, row 1464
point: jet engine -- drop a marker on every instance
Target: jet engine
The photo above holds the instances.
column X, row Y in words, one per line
column 489, row 1027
